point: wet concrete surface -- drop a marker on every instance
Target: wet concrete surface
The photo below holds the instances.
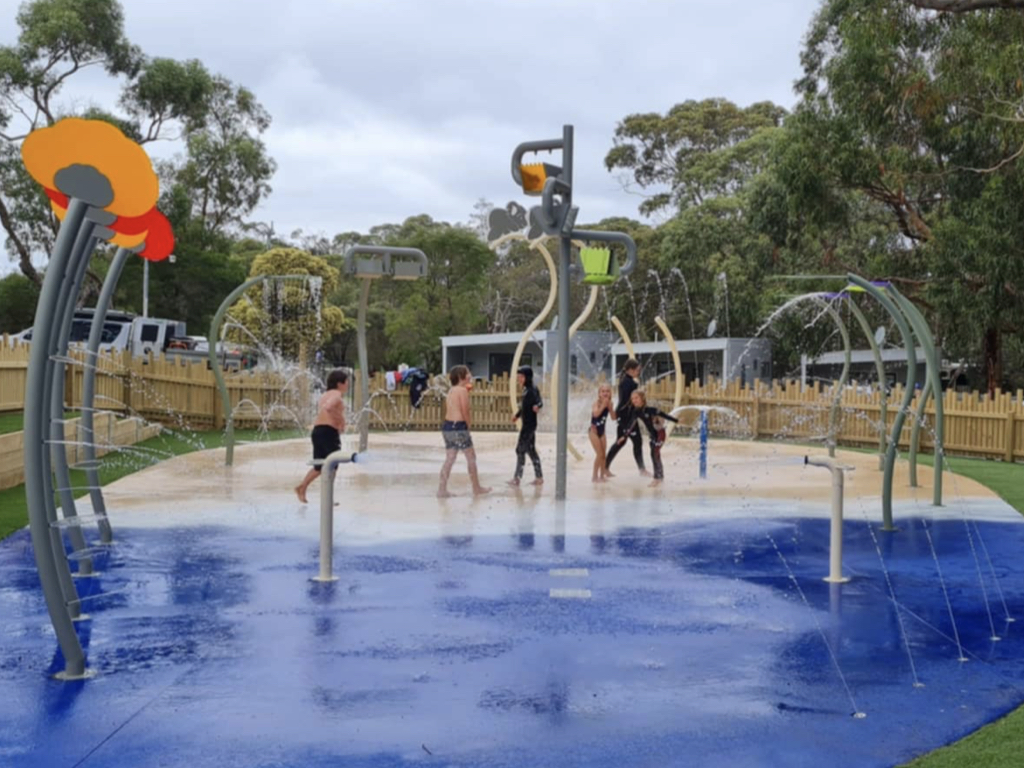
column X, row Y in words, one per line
column 632, row 630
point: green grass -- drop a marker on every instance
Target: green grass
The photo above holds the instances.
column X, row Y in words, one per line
column 115, row 465
column 998, row 745
column 12, row 422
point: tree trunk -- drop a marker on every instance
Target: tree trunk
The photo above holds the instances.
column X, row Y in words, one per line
column 993, row 359
column 24, row 256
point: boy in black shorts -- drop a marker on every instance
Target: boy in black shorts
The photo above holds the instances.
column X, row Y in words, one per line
column 327, row 429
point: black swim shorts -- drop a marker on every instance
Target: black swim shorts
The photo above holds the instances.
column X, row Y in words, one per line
column 326, row 441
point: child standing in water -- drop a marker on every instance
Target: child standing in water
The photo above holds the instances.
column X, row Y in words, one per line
column 600, row 412
column 655, row 420
column 627, row 385
column 527, row 443
column 455, row 432
column 327, row 429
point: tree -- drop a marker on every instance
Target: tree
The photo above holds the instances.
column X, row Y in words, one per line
column 225, row 170
column 18, row 296
column 698, row 150
column 282, row 315
column 447, row 302
column 920, row 116
column 961, row 6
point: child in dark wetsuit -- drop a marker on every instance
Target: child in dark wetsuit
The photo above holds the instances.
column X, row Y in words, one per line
column 527, row 443
column 327, row 429
column 455, row 432
column 600, row 412
column 623, row 411
column 655, row 420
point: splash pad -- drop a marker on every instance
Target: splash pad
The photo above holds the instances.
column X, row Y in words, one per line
column 615, row 625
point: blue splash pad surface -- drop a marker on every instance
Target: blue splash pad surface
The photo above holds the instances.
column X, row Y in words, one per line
column 694, row 647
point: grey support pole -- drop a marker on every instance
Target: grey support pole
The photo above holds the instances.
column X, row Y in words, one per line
column 368, row 270
column 908, row 394
column 883, row 396
column 328, row 471
column 37, row 487
column 215, row 324
column 564, row 262
column 99, row 506
column 558, row 219
column 934, row 384
column 71, row 287
column 364, row 373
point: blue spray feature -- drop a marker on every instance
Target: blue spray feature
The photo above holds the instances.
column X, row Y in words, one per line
column 703, row 445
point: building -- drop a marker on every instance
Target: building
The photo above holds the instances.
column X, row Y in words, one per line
column 597, row 353
column 490, row 354
column 829, row 366
column 724, row 359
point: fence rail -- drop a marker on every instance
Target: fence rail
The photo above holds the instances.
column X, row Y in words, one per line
column 183, row 392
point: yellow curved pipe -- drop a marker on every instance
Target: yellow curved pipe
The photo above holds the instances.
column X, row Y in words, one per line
column 625, row 337
column 675, row 363
column 584, row 315
column 535, row 323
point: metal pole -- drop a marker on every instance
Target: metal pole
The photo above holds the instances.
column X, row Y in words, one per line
column 703, row 444
column 35, row 449
column 328, row 470
column 835, row 565
column 72, row 285
column 145, row 288
column 215, row 324
column 364, row 372
column 880, row 370
column 934, row 374
column 908, row 344
column 565, row 257
column 99, row 317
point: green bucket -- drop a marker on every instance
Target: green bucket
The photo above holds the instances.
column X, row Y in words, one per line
column 597, row 266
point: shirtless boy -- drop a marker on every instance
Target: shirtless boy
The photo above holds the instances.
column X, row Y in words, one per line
column 456, row 432
column 327, row 429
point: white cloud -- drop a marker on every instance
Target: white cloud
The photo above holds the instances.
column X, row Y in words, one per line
column 392, row 108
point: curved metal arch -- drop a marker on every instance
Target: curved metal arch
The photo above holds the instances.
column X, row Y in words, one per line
column 907, row 337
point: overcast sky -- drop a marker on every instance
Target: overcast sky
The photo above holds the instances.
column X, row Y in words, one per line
column 384, row 109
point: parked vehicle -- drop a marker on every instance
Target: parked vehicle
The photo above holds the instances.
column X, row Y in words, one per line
column 143, row 336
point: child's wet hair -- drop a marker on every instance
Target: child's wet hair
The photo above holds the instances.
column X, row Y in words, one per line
column 458, row 374
column 336, row 377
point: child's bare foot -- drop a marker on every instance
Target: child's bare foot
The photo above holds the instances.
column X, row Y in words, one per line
column 538, row 481
column 608, row 474
column 514, row 481
column 644, row 473
column 445, row 495
column 481, row 491
column 654, row 483
column 301, row 493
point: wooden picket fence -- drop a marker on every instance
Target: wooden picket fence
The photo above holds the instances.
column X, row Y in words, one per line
column 183, row 393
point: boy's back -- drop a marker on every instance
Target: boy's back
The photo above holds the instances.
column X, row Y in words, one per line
column 457, row 404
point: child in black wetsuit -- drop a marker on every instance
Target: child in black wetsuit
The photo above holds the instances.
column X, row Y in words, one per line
column 655, row 420
column 627, row 384
column 600, row 412
column 527, row 444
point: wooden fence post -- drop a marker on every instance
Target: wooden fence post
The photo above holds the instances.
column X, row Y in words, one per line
column 1011, row 417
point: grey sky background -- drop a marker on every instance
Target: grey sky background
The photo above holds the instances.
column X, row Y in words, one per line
column 385, row 109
